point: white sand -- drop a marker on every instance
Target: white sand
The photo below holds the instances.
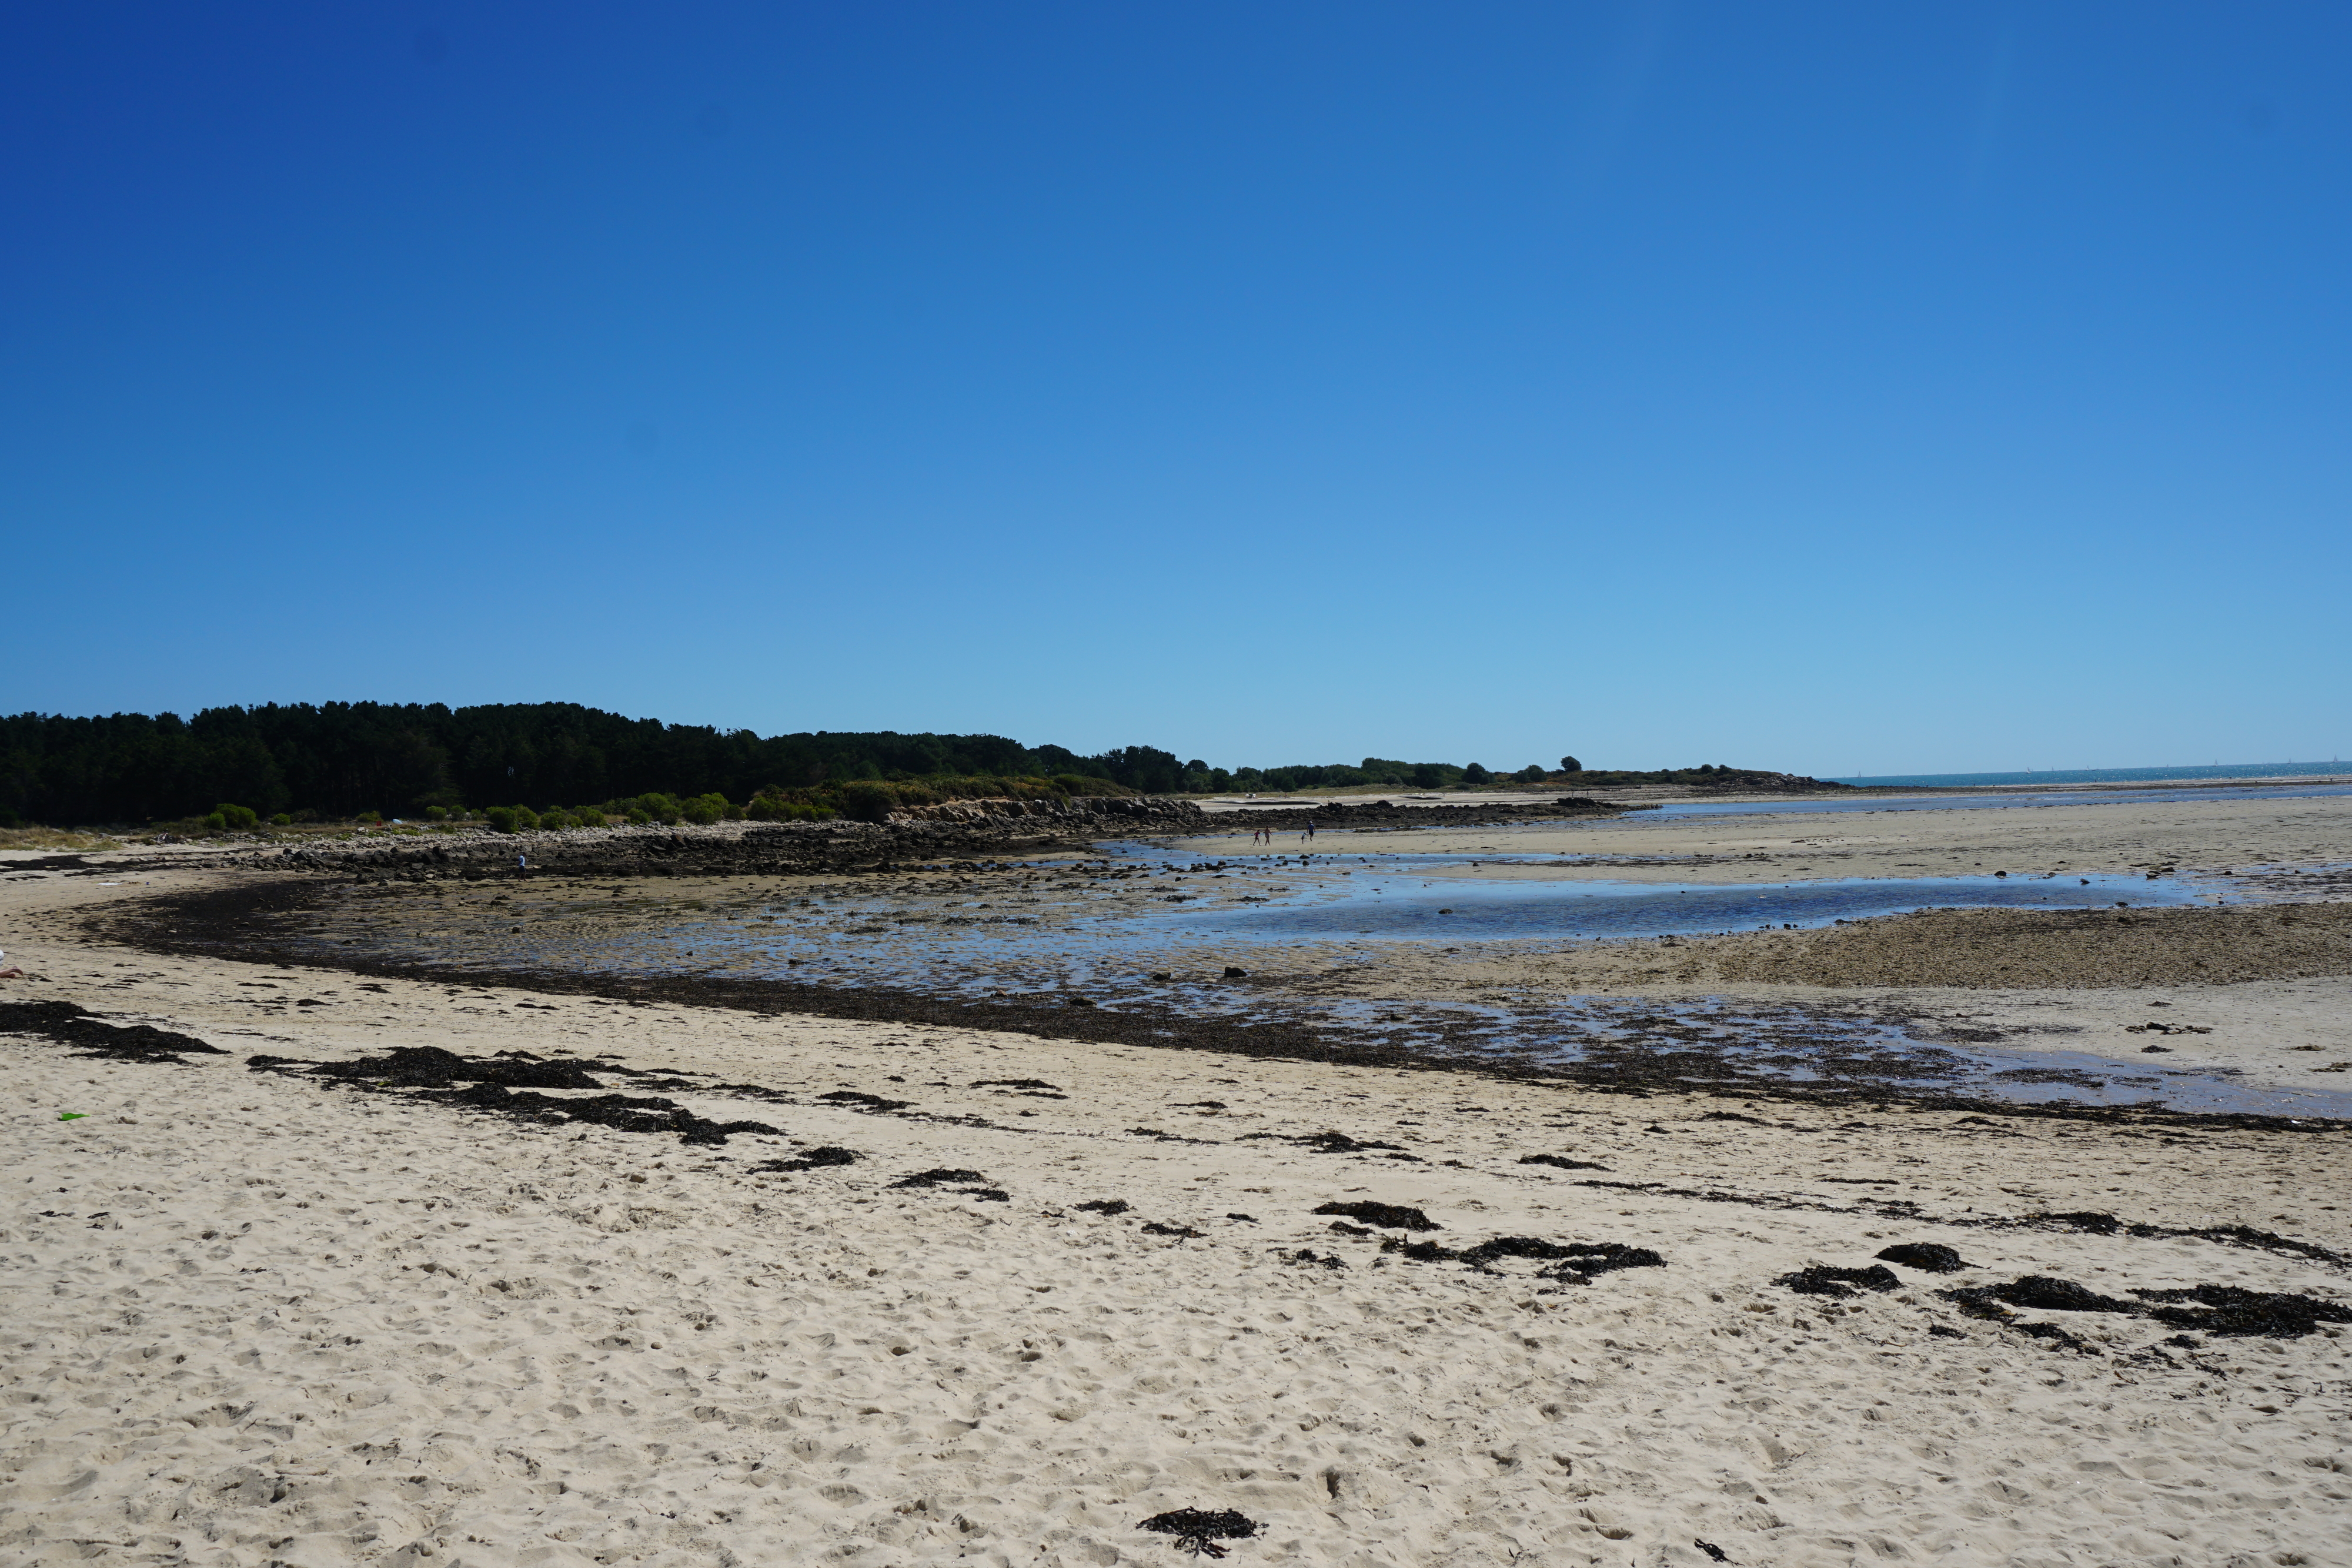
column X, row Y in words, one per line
column 252, row 1320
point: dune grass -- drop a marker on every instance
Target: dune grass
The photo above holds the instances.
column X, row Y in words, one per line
column 54, row 839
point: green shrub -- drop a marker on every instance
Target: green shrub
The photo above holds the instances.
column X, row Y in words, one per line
column 216, row 822
column 868, row 800
column 282, row 821
column 1570, row 765
column 437, row 813
column 236, row 817
column 705, row 809
column 659, row 807
column 512, row 819
column 769, row 809
column 1531, row 774
column 637, row 817
column 1474, row 774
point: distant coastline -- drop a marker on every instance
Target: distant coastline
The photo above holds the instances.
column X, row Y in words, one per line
column 2098, row 775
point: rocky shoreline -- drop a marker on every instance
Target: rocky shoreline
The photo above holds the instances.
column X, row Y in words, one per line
column 957, row 830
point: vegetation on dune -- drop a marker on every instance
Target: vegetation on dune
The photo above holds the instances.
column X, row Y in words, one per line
column 230, row 770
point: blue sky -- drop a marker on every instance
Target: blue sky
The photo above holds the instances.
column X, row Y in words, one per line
column 1839, row 387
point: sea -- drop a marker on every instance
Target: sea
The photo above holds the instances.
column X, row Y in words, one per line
column 2102, row 774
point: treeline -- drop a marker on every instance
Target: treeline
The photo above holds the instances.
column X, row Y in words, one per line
column 338, row 761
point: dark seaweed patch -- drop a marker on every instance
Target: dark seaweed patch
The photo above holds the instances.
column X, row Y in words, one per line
column 1198, row 1532
column 851, row 1097
column 1182, row 1232
column 1304, row 1258
column 1105, row 1206
column 622, row 1113
column 2046, row 1294
column 940, row 1175
column 430, row 1067
column 1577, row 1262
column 1821, row 1280
column 69, row 1023
column 2234, row 1311
column 2225, row 1310
column 1930, row 1257
column 1594, row 1258
column 1560, row 1162
column 823, row 1155
column 1395, row 1216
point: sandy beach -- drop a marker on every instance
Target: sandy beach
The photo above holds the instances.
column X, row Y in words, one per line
column 259, row 1313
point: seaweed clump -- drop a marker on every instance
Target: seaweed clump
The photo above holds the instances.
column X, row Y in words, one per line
column 1198, row 1532
column 69, row 1023
column 430, row 1067
column 966, row 1183
column 823, row 1156
column 2226, row 1310
column 1394, row 1216
column 1821, row 1280
column 622, row 1113
column 1578, row 1261
column 1928, row 1257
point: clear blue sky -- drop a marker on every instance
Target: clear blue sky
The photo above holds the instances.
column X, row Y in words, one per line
column 1848, row 388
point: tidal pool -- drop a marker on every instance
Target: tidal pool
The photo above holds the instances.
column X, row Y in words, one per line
column 1398, row 905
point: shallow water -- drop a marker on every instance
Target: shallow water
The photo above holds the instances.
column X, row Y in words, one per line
column 1400, row 905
